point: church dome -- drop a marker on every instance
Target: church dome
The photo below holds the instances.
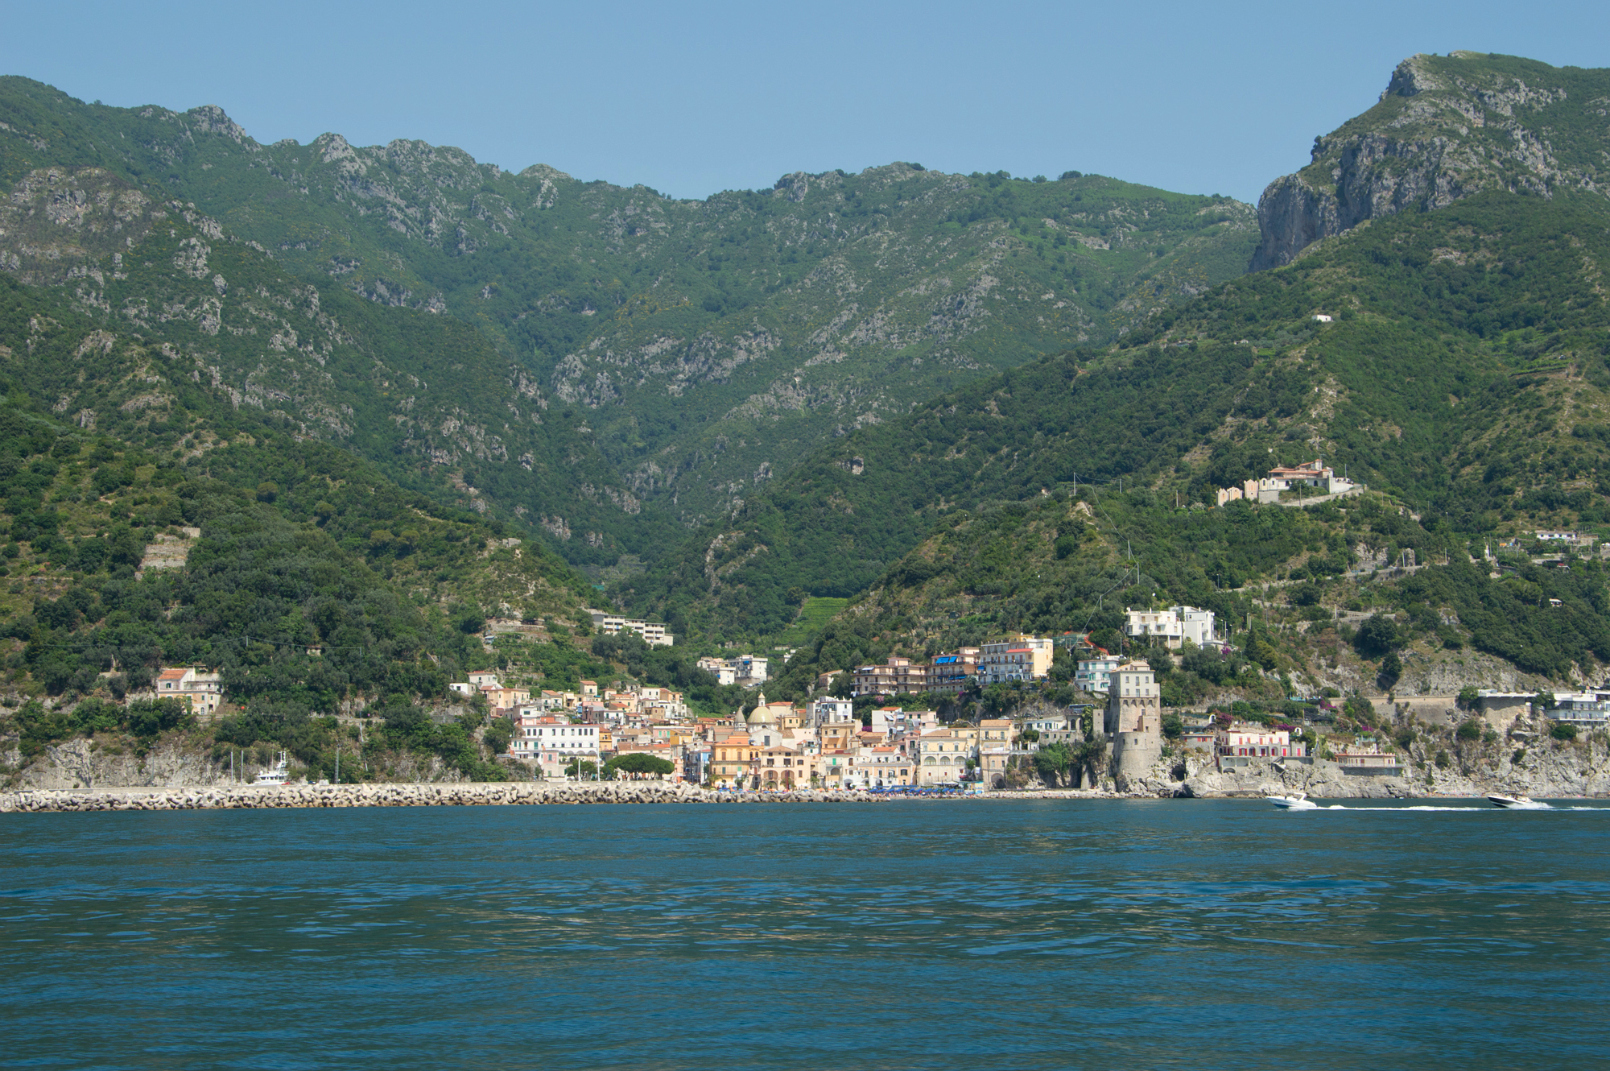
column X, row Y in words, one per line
column 761, row 715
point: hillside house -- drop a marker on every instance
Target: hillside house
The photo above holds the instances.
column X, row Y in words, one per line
column 652, row 632
column 895, row 677
column 1095, row 674
column 1367, row 758
column 203, row 690
column 1174, row 626
column 1016, row 658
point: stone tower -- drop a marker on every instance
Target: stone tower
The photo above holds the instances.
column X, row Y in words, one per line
column 1134, row 721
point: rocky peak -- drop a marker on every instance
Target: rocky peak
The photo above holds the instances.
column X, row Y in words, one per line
column 210, row 119
column 1445, row 127
column 1411, row 78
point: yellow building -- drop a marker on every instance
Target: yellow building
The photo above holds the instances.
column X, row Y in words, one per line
column 732, row 762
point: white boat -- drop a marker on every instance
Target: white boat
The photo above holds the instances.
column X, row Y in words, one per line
column 1297, row 801
column 274, row 776
column 1524, row 803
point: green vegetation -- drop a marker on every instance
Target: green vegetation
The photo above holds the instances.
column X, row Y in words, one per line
column 143, row 719
column 776, row 318
column 1464, row 337
column 1000, row 570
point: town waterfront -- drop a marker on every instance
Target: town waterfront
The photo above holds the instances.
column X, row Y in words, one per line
column 1004, row 934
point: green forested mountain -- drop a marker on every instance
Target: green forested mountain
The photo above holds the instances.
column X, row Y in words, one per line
column 824, row 379
column 118, row 431
column 772, row 320
column 1464, row 371
column 175, row 319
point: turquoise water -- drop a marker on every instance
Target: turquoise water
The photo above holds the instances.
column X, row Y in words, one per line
column 991, row 934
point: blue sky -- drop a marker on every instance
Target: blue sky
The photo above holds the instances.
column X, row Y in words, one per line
column 698, row 97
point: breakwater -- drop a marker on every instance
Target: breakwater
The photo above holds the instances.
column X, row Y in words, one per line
column 468, row 794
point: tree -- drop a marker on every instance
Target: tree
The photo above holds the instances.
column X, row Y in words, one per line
column 1391, row 670
column 581, row 768
column 639, row 763
column 1052, row 761
column 498, row 734
column 1468, row 697
column 1376, row 636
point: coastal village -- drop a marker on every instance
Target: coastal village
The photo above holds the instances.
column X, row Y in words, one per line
column 1115, row 731
column 875, row 740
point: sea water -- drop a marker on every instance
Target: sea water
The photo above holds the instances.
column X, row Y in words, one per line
column 974, row 934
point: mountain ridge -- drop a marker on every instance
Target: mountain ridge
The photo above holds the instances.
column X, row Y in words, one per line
column 1444, row 128
column 777, row 318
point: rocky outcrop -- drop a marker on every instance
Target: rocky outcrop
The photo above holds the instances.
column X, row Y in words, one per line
column 1445, row 127
column 1545, row 770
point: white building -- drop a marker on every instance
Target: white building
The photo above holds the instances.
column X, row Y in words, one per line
column 1174, row 625
column 752, row 669
column 553, row 743
column 723, row 670
column 748, row 670
column 1095, row 674
column 1585, row 709
column 653, row 632
column 1258, row 741
column 1315, row 474
column 828, row 709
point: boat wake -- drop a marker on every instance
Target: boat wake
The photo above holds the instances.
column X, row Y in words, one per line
column 1531, row 806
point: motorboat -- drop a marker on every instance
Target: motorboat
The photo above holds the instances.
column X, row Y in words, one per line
column 1516, row 802
column 276, row 775
column 1297, row 801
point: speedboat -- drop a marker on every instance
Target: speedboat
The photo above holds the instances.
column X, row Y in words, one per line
column 1509, row 802
column 1297, row 801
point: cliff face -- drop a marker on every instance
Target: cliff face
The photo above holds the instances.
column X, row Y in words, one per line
column 1547, row 769
column 1444, row 128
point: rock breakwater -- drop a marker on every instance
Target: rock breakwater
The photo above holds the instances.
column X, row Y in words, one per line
column 477, row 794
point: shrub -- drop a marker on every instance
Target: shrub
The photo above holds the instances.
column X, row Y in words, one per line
column 1376, row 636
column 1391, row 670
column 1562, row 731
column 1442, row 760
column 1469, row 729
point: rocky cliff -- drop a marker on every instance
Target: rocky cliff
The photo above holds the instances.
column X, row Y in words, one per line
column 1444, row 128
column 1549, row 769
